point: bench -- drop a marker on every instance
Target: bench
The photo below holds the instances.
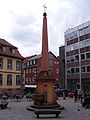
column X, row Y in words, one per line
column 47, row 111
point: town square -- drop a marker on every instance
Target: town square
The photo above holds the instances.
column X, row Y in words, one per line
column 35, row 81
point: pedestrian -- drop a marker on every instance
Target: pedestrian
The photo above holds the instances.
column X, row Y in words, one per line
column 75, row 95
column 81, row 93
column 63, row 95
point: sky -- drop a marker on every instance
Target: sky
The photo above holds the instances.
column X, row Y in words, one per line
column 21, row 22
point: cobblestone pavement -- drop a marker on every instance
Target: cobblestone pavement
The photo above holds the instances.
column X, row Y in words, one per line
column 18, row 111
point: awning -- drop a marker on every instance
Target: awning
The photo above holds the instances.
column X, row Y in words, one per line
column 30, row 86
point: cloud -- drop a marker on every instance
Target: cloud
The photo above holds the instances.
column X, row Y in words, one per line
column 22, row 23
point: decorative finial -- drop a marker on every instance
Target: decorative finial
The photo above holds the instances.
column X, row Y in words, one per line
column 44, row 8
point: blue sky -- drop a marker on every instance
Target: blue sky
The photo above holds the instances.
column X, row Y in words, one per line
column 21, row 22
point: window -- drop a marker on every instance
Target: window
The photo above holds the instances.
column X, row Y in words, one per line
column 72, row 58
column 0, row 79
column 88, row 68
column 30, row 62
column 87, row 55
column 26, row 70
column 71, row 35
column 9, row 64
column 72, row 70
column 86, row 30
column 18, row 65
column 1, row 63
column 30, row 70
column 30, row 79
column 34, row 70
column 75, row 34
column 82, row 56
column 68, row 71
column 67, row 37
column 50, row 63
column 81, row 32
column 57, row 70
column 9, row 79
column 34, row 62
column 13, row 51
column 68, row 59
column 77, row 70
column 33, row 79
column 38, row 69
column 77, row 58
column 83, row 69
column 3, row 49
column 17, row 79
column 27, row 79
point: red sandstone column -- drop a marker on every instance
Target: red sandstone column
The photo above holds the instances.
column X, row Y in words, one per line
column 45, row 53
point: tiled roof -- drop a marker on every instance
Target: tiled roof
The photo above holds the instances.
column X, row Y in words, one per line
column 8, row 50
column 4, row 42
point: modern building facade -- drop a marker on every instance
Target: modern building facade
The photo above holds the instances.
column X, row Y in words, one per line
column 77, row 57
column 62, row 65
column 32, row 68
column 10, row 69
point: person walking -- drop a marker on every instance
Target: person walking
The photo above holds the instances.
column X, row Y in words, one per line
column 75, row 95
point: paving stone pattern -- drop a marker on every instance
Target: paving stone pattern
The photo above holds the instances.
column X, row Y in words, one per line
column 17, row 111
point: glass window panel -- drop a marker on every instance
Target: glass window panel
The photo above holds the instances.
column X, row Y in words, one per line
column 9, row 79
column 26, row 70
column 1, row 62
column 81, row 32
column 4, row 49
column 68, row 71
column 71, row 35
column 72, row 70
column 68, row 59
column 18, row 65
column 77, row 70
column 86, row 30
column 72, row 58
column 67, row 37
column 88, row 68
column 17, row 79
column 0, row 79
column 9, row 64
column 82, row 56
column 83, row 69
column 75, row 34
column 87, row 55
column 77, row 58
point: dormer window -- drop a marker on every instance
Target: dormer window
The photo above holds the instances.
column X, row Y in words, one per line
column 13, row 51
column 3, row 49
